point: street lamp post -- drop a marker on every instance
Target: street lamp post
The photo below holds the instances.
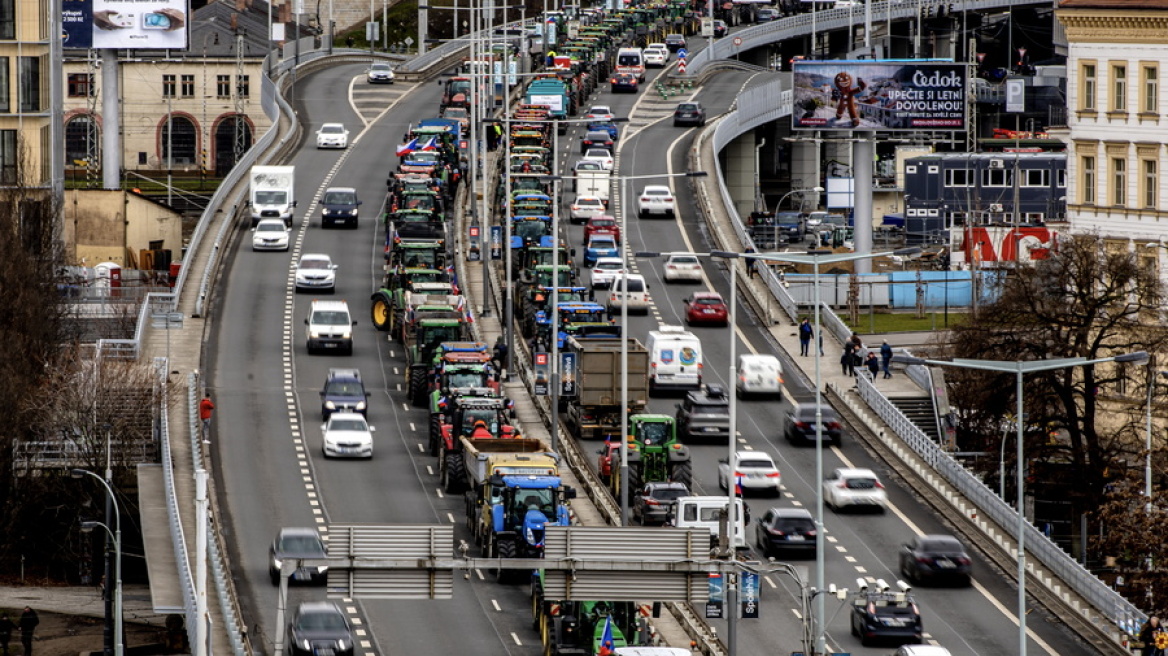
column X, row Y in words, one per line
column 1148, row 446
column 117, row 540
column 1019, row 369
column 818, row 190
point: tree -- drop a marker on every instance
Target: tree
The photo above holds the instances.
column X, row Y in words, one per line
column 1131, row 538
column 1087, row 300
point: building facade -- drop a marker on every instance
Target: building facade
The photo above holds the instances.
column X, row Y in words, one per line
column 1116, row 130
column 25, row 93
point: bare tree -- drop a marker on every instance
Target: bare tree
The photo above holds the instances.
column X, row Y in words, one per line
column 1085, row 301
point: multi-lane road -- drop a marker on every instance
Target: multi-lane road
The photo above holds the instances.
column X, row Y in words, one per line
column 267, row 448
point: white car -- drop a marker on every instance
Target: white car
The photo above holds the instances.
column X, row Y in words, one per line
column 600, row 113
column 759, row 375
column 605, row 271
column 586, row 207
column 379, row 73
column 656, row 58
column 655, row 199
column 683, row 267
column 599, row 155
column 347, row 435
column 316, row 271
column 756, row 473
column 270, row 235
column 332, row 135
column 854, row 487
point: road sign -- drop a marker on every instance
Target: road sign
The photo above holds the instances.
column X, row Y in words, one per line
column 496, row 242
column 541, row 365
column 707, row 27
column 568, row 373
column 681, row 66
column 737, row 41
column 682, row 53
column 715, row 602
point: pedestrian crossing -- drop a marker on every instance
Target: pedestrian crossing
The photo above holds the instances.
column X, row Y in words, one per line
column 370, row 100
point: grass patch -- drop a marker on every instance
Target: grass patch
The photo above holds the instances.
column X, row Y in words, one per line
column 878, row 323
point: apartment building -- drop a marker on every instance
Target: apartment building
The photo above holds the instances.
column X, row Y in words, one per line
column 25, row 94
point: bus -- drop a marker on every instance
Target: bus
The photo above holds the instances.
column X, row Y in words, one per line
column 631, row 61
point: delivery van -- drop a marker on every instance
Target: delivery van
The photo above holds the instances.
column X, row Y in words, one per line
column 675, row 359
column 706, row 512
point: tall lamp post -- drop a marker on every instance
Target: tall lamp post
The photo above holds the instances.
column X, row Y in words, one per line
column 116, row 535
column 818, row 190
column 1152, row 380
column 817, row 258
column 1020, row 369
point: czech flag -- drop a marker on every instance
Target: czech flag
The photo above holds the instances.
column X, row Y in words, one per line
column 606, row 646
column 407, row 148
column 432, row 144
column 738, row 485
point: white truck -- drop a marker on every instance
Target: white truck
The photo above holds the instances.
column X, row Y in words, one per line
column 592, row 182
column 272, row 193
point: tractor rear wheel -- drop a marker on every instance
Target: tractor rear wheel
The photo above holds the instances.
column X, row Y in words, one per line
column 454, row 475
column 505, row 549
column 380, row 314
column 683, row 473
column 417, row 388
column 636, row 481
column 435, row 433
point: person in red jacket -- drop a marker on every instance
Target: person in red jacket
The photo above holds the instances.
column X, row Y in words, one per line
column 206, row 407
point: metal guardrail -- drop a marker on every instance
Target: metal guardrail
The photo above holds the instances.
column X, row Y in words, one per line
column 825, row 20
column 1107, row 601
column 186, row 578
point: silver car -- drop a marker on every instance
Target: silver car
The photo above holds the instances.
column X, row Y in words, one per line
column 850, row 487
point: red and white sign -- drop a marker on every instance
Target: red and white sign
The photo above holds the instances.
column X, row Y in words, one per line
column 737, row 41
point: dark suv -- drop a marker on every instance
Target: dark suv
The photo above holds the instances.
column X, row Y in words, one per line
column 339, row 205
column 886, row 615
column 799, row 424
column 705, row 413
column 343, row 392
column 786, row 531
column 654, row 502
column 689, row 113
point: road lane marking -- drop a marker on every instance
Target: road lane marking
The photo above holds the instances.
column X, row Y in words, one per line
column 516, row 639
column 496, row 605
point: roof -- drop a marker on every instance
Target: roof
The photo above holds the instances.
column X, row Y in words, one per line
column 1113, row 4
column 214, row 26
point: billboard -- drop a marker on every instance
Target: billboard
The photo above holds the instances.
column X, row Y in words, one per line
column 125, row 24
column 879, row 95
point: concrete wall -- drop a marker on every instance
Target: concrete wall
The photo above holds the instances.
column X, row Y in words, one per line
column 113, row 226
column 739, row 172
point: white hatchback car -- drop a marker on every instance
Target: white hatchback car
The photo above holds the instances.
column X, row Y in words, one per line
column 756, row 472
column 379, row 73
column 599, row 155
column 316, row 271
column 854, row 487
column 605, row 271
column 586, row 207
column 759, row 375
column 270, row 235
column 347, row 435
column 637, row 297
column 683, row 267
column 655, row 199
column 332, row 135
column 600, row 113
column 656, row 58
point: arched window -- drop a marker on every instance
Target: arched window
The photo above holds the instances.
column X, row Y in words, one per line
column 225, row 141
column 180, row 135
column 82, row 137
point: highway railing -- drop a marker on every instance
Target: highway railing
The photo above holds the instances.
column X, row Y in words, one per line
column 756, row 107
column 178, row 541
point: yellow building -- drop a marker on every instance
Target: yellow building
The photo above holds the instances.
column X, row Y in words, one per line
column 26, row 76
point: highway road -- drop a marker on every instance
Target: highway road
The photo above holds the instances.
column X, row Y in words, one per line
column 267, row 446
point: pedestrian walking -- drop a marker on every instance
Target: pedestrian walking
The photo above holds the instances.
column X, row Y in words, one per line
column 873, row 365
column 886, row 358
column 857, row 343
column 28, row 624
column 1154, row 638
column 500, row 353
column 206, row 407
column 6, row 627
column 848, row 363
column 805, row 334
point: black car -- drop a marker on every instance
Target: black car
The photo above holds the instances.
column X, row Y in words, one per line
column 675, row 42
column 799, row 424
column 343, row 391
column 886, row 616
column 655, row 501
column 720, row 29
column 791, row 225
column 624, row 82
column 786, row 532
column 766, row 15
column 318, row 628
column 705, row 413
column 595, row 139
column 300, row 544
column 339, row 205
column 935, row 558
column 689, row 113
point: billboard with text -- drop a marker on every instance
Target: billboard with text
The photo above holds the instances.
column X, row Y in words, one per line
column 125, row 24
column 879, row 95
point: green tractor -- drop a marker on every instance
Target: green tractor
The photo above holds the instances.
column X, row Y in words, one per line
column 390, row 303
column 577, row 628
column 422, row 343
column 655, row 454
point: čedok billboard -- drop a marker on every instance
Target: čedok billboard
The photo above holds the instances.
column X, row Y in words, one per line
column 125, row 24
column 879, row 95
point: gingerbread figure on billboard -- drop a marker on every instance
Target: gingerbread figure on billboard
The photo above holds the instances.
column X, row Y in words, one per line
column 845, row 94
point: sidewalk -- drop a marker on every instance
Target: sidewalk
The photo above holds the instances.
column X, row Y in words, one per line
column 82, row 600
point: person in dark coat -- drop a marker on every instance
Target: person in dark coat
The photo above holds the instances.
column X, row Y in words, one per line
column 886, row 358
column 6, row 627
column 28, row 624
column 873, row 365
column 847, row 360
column 1148, row 634
column 805, row 334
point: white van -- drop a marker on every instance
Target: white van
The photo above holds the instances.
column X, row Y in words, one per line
column 675, row 359
column 330, row 327
column 637, row 297
column 692, row 512
column 759, row 375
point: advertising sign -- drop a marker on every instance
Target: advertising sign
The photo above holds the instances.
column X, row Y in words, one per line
column 879, row 95
column 749, row 584
column 541, row 364
column 125, row 24
column 715, row 602
column 496, row 243
column 568, row 363
column 553, row 102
